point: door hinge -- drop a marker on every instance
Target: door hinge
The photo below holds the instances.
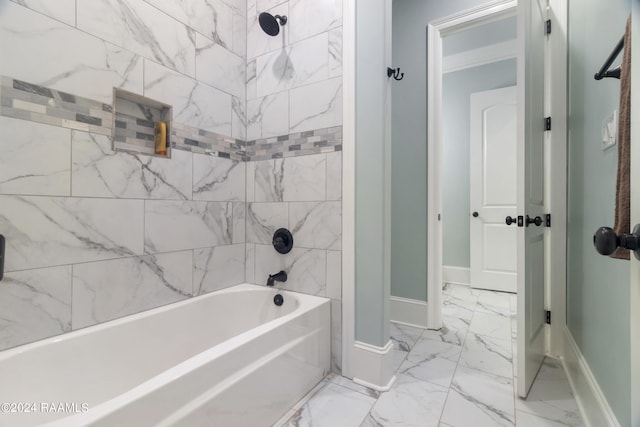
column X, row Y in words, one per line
column 547, row 317
column 547, row 27
column 547, row 220
column 520, row 221
column 547, row 123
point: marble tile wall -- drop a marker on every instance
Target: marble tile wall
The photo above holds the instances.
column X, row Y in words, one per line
column 94, row 234
column 159, row 49
column 257, row 124
column 303, row 194
column 294, row 80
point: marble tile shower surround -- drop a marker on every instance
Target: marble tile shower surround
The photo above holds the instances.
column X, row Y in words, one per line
column 294, row 80
column 91, row 233
column 170, row 223
column 95, row 219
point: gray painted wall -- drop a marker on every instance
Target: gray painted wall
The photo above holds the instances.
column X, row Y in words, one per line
column 598, row 287
column 409, row 142
column 372, row 272
column 457, row 88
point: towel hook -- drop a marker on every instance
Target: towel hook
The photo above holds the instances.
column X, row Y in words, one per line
column 395, row 73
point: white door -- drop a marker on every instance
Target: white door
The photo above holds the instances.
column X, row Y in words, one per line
column 530, row 239
column 493, row 191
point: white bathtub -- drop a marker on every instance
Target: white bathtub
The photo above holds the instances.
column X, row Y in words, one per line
column 230, row 358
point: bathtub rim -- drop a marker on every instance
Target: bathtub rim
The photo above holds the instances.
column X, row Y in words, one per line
column 304, row 300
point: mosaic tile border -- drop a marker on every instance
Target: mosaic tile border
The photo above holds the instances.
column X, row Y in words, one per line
column 317, row 141
column 27, row 101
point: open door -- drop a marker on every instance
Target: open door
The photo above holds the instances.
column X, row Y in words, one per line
column 532, row 15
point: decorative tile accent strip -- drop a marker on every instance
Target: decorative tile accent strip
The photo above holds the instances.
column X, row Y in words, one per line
column 26, row 101
column 319, row 141
column 205, row 142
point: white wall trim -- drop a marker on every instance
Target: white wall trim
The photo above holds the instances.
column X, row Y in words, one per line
column 373, row 365
column 457, row 275
column 593, row 405
column 480, row 56
column 410, row 312
column 348, row 185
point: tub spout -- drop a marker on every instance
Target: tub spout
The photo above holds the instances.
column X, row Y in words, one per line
column 278, row 277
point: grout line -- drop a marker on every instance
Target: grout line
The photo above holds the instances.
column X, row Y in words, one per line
column 464, row 342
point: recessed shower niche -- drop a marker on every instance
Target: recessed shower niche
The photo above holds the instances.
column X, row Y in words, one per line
column 141, row 125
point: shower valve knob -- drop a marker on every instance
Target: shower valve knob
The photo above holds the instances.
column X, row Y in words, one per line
column 607, row 241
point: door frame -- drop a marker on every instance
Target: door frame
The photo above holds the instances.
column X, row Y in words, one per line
column 555, row 161
column 436, row 31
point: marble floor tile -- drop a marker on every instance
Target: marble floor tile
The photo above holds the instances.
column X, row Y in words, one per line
column 461, row 292
column 453, row 331
column 459, row 376
column 410, row 402
column 479, row 399
column 399, row 357
column 432, row 361
column 347, row 383
column 457, row 307
column 524, row 419
column 333, row 406
column 551, row 397
column 498, row 303
column 487, row 354
column 404, row 336
column 491, row 325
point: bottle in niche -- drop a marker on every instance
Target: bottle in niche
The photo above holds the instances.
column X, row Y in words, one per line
column 161, row 138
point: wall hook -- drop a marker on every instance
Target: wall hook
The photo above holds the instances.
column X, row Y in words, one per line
column 395, row 72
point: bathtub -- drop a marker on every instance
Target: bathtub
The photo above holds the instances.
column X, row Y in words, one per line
column 229, row 358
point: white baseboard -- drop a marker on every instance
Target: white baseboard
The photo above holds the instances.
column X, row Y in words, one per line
column 408, row 311
column 373, row 366
column 593, row 405
column 457, row 275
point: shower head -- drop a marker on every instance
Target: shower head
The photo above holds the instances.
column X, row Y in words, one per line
column 269, row 23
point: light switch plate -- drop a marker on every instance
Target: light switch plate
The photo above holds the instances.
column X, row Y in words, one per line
column 610, row 130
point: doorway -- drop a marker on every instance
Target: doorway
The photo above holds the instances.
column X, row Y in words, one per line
column 537, row 162
column 478, row 171
column 469, row 52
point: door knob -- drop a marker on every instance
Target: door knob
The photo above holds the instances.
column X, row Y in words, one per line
column 607, row 241
column 537, row 221
column 475, row 214
column 508, row 220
